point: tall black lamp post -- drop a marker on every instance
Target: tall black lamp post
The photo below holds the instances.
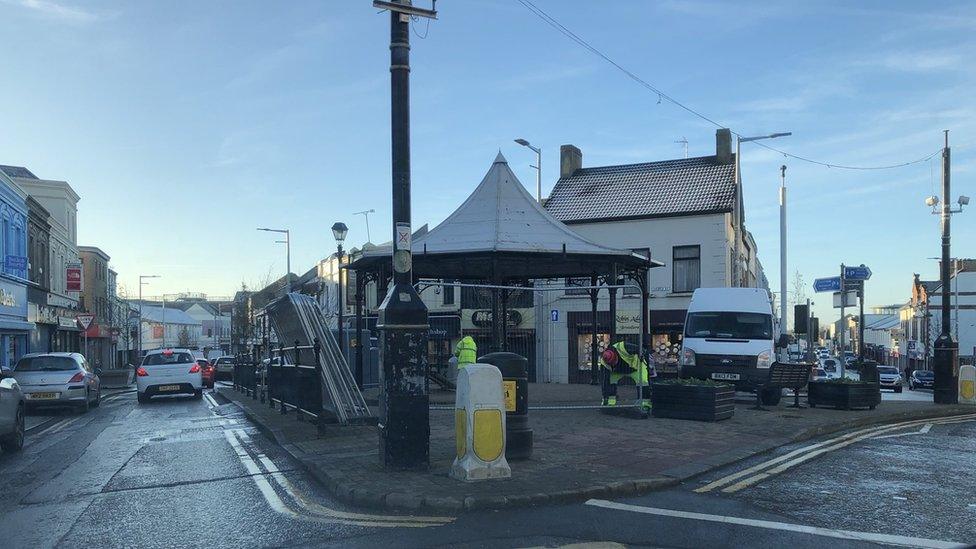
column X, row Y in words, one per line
column 339, row 231
column 946, row 364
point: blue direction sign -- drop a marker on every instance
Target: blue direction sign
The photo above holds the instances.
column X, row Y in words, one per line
column 831, row 284
column 857, row 273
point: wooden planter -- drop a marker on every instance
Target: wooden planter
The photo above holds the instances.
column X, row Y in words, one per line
column 697, row 402
column 843, row 395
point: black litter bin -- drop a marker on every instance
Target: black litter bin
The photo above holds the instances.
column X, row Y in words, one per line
column 869, row 371
column 515, row 377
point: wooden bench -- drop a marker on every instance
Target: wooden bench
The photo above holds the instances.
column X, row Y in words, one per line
column 785, row 375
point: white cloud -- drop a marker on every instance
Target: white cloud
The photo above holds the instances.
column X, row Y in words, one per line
column 924, row 61
column 54, row 10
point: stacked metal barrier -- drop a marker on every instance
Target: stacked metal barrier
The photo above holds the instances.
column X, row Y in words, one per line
column 298, row 318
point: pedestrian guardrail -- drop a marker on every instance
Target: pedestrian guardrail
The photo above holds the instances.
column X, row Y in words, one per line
column 245, row 375
column 295, row 382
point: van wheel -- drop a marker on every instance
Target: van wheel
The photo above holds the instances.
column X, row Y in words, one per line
column 142, row 398
column 771, row 397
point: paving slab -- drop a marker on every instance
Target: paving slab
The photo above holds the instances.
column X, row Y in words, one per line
column 578, row 453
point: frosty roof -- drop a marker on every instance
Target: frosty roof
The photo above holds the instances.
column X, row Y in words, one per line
column 500, row 232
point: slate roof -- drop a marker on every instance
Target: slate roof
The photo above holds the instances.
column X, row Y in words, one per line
column 17, row 171
column 685, row 186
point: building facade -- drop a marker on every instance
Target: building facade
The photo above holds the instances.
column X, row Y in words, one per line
column 60, row 308
column 15, row 328
column 95, row 301
column 168, row 327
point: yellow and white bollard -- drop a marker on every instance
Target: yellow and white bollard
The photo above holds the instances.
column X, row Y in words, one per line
column 967, row 384
column 479, row 423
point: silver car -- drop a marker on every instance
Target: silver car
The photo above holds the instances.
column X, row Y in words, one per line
column 58, row 379
column 11, row 414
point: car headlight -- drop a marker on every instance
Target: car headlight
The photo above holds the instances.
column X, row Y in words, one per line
column 764, row 360
column 687, row 357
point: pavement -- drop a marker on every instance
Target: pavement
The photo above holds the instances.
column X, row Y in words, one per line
column 579, row 454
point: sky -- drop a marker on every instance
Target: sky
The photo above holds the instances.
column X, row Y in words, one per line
column 184, row 125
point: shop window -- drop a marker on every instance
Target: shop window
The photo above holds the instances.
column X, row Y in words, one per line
column 686, row 268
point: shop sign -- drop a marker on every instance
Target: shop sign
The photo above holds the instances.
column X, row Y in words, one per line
column 73, row 275
column 15, row 263
column 67, row 322
column 56, row 300
column 7, row 298
column 482, row 318
column 628, row 323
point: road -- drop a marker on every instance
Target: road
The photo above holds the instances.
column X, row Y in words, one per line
column 186, row 473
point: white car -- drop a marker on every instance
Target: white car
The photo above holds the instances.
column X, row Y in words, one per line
column 831, row 367
column 168, row 372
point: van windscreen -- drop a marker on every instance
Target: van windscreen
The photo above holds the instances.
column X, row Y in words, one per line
column 729, row 325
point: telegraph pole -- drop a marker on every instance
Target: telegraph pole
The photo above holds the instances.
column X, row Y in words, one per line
column 404, row 426
column 946, row 365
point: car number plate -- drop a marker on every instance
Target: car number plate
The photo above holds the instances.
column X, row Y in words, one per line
column 43, row 396
column 169, row 387
column 721, row 375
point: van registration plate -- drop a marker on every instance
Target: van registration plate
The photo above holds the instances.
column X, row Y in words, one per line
column 722, row 375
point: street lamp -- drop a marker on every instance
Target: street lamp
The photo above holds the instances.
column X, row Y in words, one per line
column 365, row 213
column 739, row 225
column 141, row 284
column 945, row 389
column 287, row 243
column 339, row 231
column 538, row 167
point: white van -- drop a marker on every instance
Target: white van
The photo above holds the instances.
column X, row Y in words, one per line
column 730, row 336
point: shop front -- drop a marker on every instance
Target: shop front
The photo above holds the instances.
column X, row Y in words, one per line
column 667, row 329
column 15, row 328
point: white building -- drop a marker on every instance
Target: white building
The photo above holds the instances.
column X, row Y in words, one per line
column 683, row 211
column 168, row 327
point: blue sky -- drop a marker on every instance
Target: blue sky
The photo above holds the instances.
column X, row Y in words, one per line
column 185, row 125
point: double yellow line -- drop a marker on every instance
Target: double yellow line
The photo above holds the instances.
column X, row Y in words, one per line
column 757, row 473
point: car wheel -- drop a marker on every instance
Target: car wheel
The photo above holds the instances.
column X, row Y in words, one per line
column 98, row 398
column 198, row 394
column 14, row 442
column 142, row 398
column 897, row 389
column 771, row 397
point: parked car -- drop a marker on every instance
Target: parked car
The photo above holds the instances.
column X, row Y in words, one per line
column 225, row 367
column 890, row 378
column 921, row 378
column 729, row 336
column 818, row 374
column 206, row 372
column 168, row 372
column 58, row 379
column 12, row 410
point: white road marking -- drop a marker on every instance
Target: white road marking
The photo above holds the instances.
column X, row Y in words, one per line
column 887, row 539
column 267, row 491
column 857, row 435
column 925, row 428
column 823, row 450
column 210, row 399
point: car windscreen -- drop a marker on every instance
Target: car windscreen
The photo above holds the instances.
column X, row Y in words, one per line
column 224, row 361
column 887, row 370
column 160, row 359
column 924, row 374
column 45, row 364
column 729, row 325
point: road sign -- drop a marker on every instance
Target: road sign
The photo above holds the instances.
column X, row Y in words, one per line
column 554, row 315
column 857, row 273
column 850, row 299
column 85, row 320
column 831, row 284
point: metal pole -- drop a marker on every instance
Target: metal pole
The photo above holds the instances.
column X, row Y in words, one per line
column 164, row 320
column 738, row 214
column 782, row 247
column 288, row 258
column 594, row 367
column 139, row 348
column 946, row 350
column 538, row 175
column 843, row 322
column 404, row 429
column 860, row 323
column 340, row 303
column 360, row 287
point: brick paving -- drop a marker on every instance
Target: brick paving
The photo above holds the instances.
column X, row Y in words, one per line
column 578, row 454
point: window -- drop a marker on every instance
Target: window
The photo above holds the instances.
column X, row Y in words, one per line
column 449, row 293
column 685, row 268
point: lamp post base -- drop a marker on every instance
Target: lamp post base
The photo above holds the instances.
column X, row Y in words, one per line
column 404, row 427
column 946, row 368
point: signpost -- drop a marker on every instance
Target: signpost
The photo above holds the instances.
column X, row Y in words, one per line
column 85, row 319
column 861, row 272
column 850, row 281
column 830, row 284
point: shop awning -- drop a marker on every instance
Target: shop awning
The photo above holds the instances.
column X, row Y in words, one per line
column 18, row 325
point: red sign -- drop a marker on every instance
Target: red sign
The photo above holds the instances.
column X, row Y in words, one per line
column 73, row 275
column 85, row 320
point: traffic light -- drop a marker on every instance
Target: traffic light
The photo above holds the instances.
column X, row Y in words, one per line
column 815, row 326
column 800, row 314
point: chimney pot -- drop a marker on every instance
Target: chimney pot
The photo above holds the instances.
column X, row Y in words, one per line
column 570, row 160
column 723, row 146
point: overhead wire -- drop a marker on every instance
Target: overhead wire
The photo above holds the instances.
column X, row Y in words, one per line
column 661, row 95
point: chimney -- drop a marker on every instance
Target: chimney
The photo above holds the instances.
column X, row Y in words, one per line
column 723, row 146
column 570, row 160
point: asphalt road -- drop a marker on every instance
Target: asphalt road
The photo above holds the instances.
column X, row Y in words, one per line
column 187, row 473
